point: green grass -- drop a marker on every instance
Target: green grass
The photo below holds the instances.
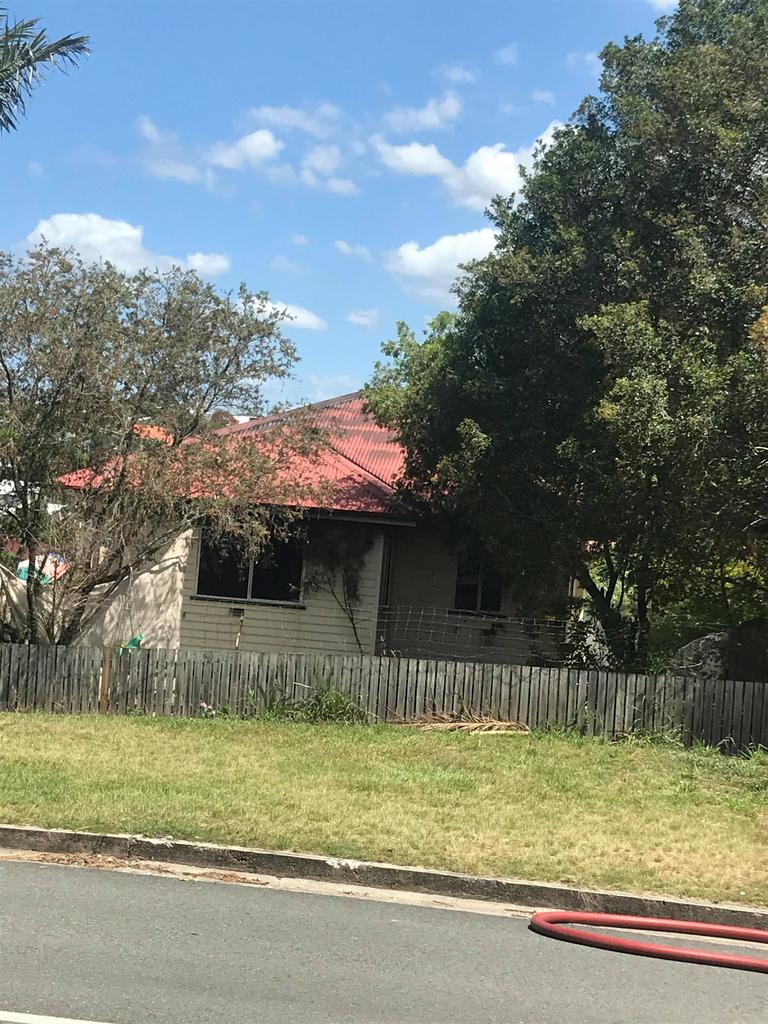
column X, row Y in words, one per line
column 640, row 816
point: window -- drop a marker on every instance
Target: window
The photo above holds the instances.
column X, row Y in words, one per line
column 478, row 589
column 275, row 575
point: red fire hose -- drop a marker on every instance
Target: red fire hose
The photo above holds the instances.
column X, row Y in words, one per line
column 553, row 923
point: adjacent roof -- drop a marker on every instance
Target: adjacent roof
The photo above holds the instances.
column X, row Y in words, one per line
column 362, row 461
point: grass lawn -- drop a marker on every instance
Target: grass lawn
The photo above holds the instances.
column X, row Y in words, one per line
column 649, row 817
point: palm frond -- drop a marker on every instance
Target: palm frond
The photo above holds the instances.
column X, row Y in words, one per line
column 25, row 53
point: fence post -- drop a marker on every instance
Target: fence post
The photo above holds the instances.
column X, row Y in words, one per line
column 106, row 664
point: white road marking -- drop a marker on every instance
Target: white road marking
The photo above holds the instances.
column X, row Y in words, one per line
column 33, row 1018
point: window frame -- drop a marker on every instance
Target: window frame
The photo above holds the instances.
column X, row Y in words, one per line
column 274, row 602
column 478, row 609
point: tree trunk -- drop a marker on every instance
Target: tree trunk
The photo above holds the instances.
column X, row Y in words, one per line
column 615, row 628
column 643, row 634
column 77, row 620
column 33, row 585
column 72, row 629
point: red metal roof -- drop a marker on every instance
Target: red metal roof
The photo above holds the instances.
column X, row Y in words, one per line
column 359, row 467
column 362, row 462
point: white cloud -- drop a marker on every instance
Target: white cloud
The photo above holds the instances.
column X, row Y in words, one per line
column 342, row 186
column 431, row 270
column 249, row 151
column 149, row 131
column 35, row 169
column 543, row 96
column 437, row 113
column 321, row 121
column 298, row 317
column 282, row 174
column 458, row 74
column 413, row 158
column 164, row 158
column 348, row 249
column 210, row 264
column 176, row 170
column 363, row 317
column 317, row 170
column 306, row 177
column 313, row 172
column 663, row 5
column 323, row 159
column 96, row 237
column 507, row 55
column 589, row 62
column 489, row 171
column 282, row 263
column 299, row 239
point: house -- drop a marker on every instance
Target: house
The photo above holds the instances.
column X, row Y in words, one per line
column 367, row 574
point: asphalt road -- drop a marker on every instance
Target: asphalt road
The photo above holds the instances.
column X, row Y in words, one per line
column 136, row 949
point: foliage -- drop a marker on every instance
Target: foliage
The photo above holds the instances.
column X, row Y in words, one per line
column 107, row 452
column 25, row 50
column 597, row 406
column 323, row 704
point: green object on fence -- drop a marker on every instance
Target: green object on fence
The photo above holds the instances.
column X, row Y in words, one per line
column 134, row 643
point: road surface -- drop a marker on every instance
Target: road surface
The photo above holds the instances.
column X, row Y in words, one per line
column 95, row 945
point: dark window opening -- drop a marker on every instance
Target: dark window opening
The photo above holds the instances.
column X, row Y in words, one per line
column 478, row 589
column 275, row 575
column 223, row 571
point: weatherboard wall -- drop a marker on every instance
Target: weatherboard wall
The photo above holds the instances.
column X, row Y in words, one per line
column 317, row 623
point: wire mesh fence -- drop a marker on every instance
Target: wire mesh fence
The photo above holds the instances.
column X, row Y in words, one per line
column 415, row 632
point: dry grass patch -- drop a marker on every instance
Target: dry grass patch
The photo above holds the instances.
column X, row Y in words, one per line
column 637, row 816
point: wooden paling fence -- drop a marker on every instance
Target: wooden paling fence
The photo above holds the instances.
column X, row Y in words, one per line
column 731, row 713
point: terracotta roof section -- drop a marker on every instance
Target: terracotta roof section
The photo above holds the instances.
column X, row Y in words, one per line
column 151, row 432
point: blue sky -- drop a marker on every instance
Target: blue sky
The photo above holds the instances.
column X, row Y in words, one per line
column 336, row 153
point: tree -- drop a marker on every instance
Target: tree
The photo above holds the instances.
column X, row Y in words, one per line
column 107, row 445
column 25, row 50
column 596, row 406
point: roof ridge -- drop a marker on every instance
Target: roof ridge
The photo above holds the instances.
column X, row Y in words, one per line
column 275, row 417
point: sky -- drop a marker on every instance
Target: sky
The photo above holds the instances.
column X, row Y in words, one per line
column 338, row 154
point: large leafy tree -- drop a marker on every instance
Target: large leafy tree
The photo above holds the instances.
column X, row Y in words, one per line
column 596, row 406
column 108, row 445
column 25, row 53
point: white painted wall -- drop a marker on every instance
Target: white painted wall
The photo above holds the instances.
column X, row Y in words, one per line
column 149, row 603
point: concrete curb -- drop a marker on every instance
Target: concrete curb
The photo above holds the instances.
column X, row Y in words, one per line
column 537, row 895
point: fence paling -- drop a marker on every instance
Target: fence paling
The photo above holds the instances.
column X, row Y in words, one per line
column 730, row 713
